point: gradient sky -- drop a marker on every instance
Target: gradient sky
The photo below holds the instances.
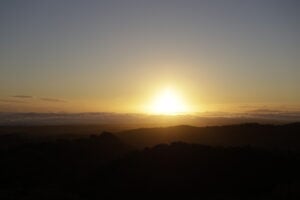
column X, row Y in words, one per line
column 115, row 55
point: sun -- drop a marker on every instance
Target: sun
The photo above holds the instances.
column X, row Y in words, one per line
column 168, row 102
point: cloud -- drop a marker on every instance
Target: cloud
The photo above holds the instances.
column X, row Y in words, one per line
column 53, row 100
column 11, row 101
column 23, row 96
column 265, row 111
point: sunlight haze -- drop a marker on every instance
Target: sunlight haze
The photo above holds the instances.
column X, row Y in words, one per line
column 115, row 56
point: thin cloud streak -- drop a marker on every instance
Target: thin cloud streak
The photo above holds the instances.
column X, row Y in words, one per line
column 23, row 96
column 11, row 101
column 53, row 100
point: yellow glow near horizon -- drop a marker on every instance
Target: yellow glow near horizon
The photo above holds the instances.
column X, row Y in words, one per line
column 168, row 103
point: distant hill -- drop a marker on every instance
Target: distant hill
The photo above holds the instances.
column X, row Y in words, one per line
column 284, row 137
column 102, row 166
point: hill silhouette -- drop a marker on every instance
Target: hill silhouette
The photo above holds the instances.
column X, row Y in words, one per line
column 107, row 165
column 284, row 137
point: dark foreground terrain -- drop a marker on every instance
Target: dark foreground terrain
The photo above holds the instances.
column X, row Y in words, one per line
column 232, row 162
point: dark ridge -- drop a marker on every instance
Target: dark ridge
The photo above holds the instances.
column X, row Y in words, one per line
column 104, row 165
column 254, row 134
column 107, row 136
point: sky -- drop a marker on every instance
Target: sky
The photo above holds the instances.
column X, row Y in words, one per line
column 117, row 55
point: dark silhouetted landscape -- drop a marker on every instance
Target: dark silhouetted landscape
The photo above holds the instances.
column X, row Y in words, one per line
column 246, row 161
